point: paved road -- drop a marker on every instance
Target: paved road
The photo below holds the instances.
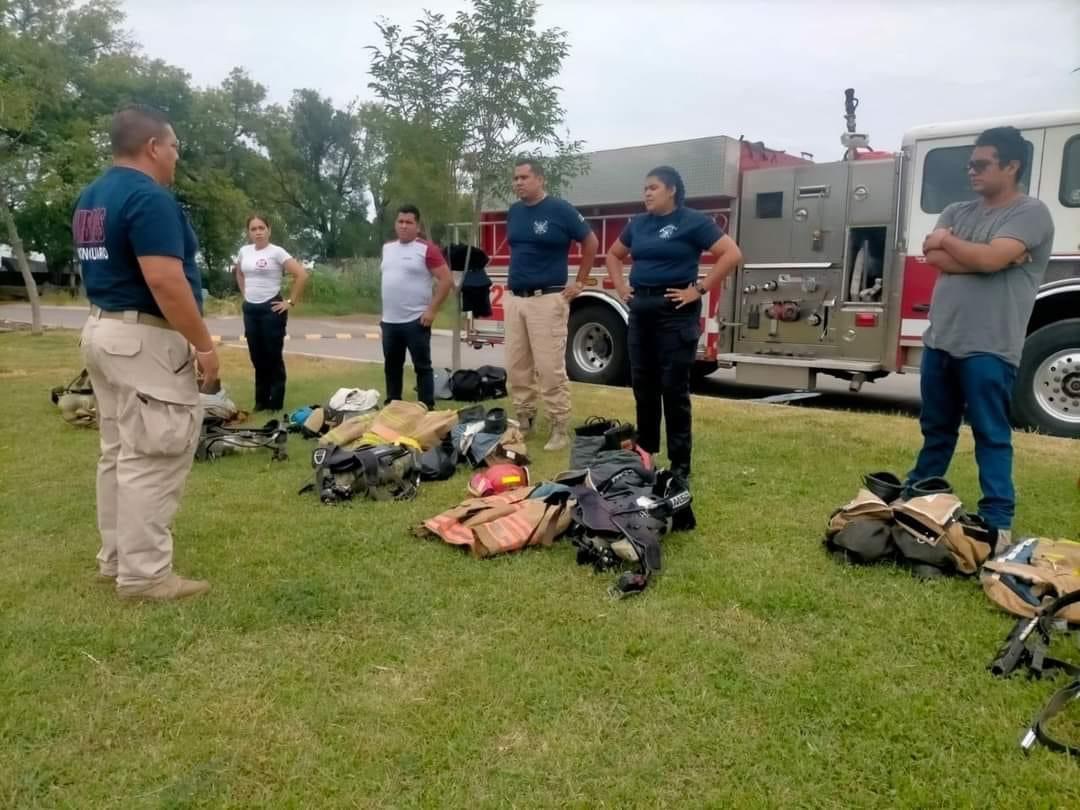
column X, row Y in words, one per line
column 898, row 393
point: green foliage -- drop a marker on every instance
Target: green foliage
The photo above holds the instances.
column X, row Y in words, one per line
column 344, row 289
column 458, row 101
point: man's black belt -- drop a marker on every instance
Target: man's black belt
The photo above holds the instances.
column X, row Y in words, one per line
column 644, row 290
column 526, row 292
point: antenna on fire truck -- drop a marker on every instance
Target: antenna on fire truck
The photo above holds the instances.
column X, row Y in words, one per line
column 851, row 139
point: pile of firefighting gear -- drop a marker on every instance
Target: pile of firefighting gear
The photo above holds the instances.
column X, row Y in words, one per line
column 613, row 505
column 924, row 527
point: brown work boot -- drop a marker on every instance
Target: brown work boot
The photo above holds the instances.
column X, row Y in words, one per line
column 560, row 437
column 526, row 422
column 168, row 589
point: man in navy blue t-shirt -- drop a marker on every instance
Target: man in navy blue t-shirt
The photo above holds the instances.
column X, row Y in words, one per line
column 540, row 230
column 141, row 344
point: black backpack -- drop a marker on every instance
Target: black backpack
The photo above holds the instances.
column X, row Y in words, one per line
column 466, row 385
column 492, row 381
column 440, row 462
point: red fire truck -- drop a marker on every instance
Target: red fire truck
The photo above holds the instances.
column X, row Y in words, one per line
column 833, row 280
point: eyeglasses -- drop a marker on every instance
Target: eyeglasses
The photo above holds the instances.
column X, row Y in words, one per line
column 979, row 166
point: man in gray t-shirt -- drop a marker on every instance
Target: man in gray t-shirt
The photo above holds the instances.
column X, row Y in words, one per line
column 992, row 253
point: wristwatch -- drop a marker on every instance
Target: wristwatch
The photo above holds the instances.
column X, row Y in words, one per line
column 289, row 301
column 700, row 289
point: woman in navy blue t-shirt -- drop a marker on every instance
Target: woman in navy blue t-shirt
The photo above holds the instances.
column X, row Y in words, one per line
column 664, row 294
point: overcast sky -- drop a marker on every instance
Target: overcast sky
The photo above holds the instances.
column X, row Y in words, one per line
column 647, row 71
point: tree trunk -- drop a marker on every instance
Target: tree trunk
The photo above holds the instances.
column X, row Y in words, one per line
column 21, row 261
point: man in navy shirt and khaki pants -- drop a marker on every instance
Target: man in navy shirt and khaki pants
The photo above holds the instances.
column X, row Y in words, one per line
column 141, row 343
column 540, row 230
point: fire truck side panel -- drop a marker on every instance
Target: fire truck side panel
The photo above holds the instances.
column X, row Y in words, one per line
column 818, row 242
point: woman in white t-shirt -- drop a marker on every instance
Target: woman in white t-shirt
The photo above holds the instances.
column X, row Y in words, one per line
column 259, row 269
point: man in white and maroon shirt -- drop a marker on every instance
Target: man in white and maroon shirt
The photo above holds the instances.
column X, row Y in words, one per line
column 409, row 266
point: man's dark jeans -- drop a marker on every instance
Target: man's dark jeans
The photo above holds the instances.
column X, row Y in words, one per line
column 396, row 338
column 980, row 388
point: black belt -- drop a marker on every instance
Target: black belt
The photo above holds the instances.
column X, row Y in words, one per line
column 643, row 290
column 526, row 292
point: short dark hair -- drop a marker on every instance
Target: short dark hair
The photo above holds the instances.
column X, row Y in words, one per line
column 409, row 208
column 672, row 179
column 252, row 217
column 133, row 125
column 1009, row 144
column 535, row 166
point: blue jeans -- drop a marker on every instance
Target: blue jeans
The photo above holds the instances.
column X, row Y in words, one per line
column 979, row 387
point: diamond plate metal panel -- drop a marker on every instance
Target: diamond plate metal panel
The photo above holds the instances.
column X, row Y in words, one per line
column 709, row 167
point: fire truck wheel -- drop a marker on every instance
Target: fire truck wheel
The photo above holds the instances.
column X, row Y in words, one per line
column 701, row 370
column 596, row 350
column 1047, row 395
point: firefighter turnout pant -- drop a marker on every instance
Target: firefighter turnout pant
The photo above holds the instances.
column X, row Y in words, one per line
column 536, row 354
column 663, row 346
column 143, row 373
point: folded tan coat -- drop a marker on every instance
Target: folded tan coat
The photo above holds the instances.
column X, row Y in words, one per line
column 864, row 506
column 412, row 420
column 1051, row 570
column 934, row 529
column 398, row 420
column 500, row 523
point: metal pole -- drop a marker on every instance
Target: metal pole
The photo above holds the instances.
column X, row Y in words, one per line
column 455, row 346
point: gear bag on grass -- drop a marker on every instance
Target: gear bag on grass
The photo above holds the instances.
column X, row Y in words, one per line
column 385, row 472
column 933, row 530
column 76, row 401
column 1023, row 576
column 492, row 382
column 465, row 385
column 217, row 440
column 861, row 530
column 440, row 462
column 625, row 524
column 475, row 385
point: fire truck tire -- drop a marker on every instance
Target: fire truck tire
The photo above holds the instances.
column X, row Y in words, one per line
column 1047, row 393
column 701, row 370
column 596, row 350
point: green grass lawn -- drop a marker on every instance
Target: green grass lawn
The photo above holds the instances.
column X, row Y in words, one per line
column 340, row 661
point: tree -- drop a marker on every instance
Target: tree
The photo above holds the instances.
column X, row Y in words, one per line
column 31, row 84
column 317, row 164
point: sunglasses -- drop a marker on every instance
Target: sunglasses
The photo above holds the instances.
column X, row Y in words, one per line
column 979, row 166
